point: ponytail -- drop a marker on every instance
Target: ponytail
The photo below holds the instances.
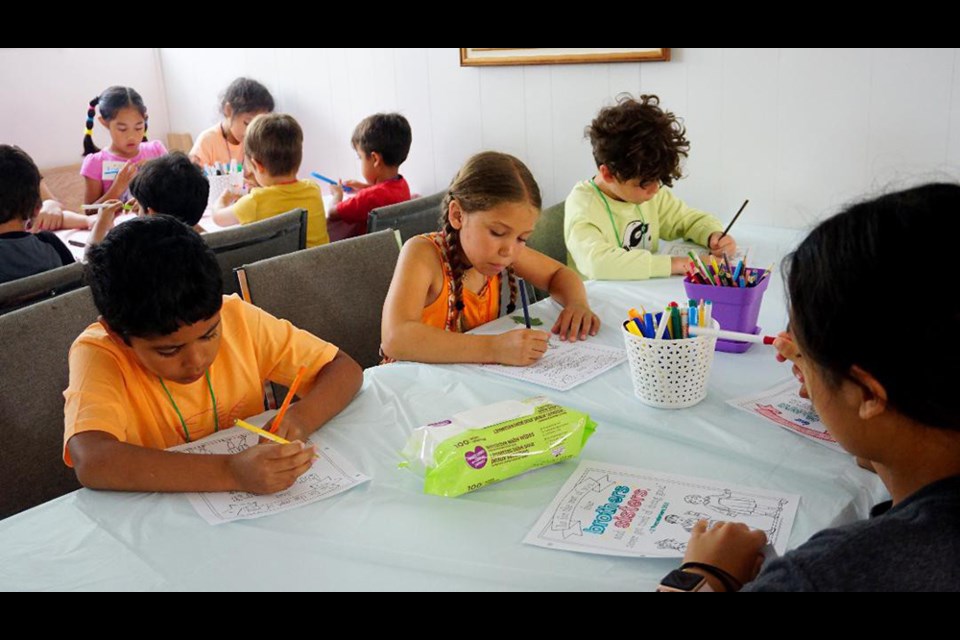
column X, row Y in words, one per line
column 88, row 145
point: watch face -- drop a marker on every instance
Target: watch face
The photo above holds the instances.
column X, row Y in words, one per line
column 682, row 580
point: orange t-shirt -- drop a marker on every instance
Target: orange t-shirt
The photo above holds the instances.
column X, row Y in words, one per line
column 211, row 147
column 478, row 308
column 111, row 391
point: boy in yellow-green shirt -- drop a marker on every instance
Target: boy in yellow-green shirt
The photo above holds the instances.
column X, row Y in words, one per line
column 274, row 149
column 614, row 222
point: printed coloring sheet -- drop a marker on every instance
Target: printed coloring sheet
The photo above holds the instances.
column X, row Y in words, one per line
column 565, row 364
column 783, row 406
column 622, row 511
column 330, row 474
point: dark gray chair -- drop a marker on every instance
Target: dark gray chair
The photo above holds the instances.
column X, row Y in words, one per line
column 37, row 288
column 547, row 238
column 335, row 291
column 249, row 243
column 410, row 218
column 33, row 358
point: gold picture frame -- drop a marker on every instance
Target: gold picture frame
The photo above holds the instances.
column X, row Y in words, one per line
column 490, row 57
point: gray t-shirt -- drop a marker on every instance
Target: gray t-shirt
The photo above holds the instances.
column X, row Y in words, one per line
column 914, row 546
column 24, row 254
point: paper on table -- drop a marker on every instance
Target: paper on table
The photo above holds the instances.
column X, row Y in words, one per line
column 329, row 475
column 565, row 365
column 681, row 249
column 615, row 510
column 782, row 405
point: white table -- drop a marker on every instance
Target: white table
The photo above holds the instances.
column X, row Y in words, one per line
column 76, row 239
column 387, row 534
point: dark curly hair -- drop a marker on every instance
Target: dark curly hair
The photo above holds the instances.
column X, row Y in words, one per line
column 638, row 139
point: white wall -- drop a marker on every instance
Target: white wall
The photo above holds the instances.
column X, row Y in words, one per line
column 46, row 93
column 797, row 131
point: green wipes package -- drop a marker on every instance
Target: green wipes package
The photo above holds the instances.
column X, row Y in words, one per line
column 488, row 444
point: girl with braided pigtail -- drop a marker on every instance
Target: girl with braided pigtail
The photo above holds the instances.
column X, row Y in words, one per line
column 108, row 172
column 449, row 282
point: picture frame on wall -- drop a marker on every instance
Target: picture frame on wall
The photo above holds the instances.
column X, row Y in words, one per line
column 490, row 57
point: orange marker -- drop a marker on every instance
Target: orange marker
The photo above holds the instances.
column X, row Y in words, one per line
column 288, row 399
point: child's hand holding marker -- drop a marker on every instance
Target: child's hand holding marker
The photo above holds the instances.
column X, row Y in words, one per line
column 353, row 185
column 520, row 347
column 269, row 468
column 787, row 350
column 124, row 177
column 720, row 244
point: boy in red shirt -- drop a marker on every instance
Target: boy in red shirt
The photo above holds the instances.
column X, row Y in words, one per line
column 382, row 142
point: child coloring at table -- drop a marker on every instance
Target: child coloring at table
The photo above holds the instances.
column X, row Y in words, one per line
column 450, row 281
column 171, row 360
column 222, row 143
column 614, row 221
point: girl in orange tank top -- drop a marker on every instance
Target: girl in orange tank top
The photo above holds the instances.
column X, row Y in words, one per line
column 449, row 282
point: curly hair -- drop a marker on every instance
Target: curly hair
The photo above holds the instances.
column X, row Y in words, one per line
column 638, row 139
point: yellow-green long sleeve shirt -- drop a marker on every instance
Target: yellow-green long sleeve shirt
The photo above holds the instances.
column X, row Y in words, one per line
column 598, row 252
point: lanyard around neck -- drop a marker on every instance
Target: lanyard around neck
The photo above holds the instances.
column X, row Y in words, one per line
column 213, row 399
column 610, row 213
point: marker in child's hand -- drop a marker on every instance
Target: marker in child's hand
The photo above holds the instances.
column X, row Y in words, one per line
column 265, row 434
column 523, row 299
column 103, row 205
column 731, row 335
column 320, row 176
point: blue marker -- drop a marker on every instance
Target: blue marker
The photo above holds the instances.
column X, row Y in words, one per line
column 523, row 300
column 640, row 326
column 651, row 331
column 320, row 176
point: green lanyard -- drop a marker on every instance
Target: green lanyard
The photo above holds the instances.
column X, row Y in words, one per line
column 213, row 398
column 610, row 213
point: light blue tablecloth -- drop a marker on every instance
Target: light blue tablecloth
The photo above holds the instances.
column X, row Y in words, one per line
column 388, row 535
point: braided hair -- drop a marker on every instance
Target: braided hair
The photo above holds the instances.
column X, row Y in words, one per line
column 110, row 102
column 485, row 181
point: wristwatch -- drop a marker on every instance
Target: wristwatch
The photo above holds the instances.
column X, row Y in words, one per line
column 680, row 580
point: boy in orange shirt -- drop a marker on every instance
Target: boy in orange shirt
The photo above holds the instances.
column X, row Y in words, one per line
column 170, row 361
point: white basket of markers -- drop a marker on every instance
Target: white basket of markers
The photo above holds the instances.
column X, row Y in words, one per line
column 668, row 372
column 223, row 177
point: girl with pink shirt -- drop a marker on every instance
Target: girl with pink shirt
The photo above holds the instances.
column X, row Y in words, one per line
column 108, row 172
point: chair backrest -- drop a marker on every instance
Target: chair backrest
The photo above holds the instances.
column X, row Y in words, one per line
column 335, row 291
column 249, row 243
column 67, row 184
column 410, row 218
column 33, row 358
column 179, row 142
column 547, row 238
column 37, row 288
